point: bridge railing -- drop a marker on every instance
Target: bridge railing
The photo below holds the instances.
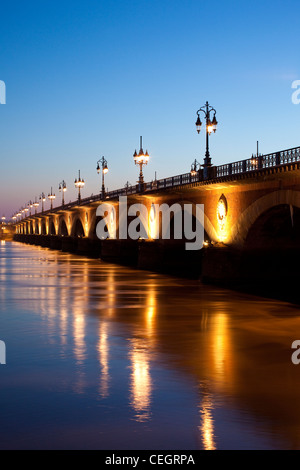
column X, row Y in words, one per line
column 259, row 162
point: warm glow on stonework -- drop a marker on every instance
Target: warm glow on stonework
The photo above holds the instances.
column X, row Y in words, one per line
column 152, row 222
column 86, row 225
column 222, row 218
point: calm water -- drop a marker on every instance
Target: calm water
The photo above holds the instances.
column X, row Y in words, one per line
column 102, row 356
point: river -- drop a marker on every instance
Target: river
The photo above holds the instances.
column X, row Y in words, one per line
column 100, row 356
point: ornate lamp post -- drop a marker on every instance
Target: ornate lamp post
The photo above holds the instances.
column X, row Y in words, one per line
column 127, row 186
column 211, row 126
column 195, row 167
column 30, row 205
column 62, row 189
column 141, row 159
column 79, row 184
column 51, row 198
column 104, row 166
column 36, row 205
column 42, row 199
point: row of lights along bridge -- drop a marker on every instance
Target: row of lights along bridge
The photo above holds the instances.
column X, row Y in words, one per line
column 140, row 159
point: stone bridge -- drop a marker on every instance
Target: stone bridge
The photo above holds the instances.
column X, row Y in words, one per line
column 251, row 212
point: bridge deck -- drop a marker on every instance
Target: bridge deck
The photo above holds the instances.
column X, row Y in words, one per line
column 255, row 166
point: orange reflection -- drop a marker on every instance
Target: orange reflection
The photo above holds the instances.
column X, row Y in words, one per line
column 79, row 320
column 111, row 293
column 150, row 317
column 79, row 335
column 207, row 423
column 141, row 384
column 103, row 351
column 79, row 348
column 221, row 350
column 63, row 325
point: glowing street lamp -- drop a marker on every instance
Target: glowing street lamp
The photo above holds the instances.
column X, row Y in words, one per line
column 36, row 205
column 104, row 166
column 42, row 199
column 51, row 198
column 141, row 159
column 195, row 167
column 30, row 206
column 79, row 184
column 62, row 189
column 211, row 126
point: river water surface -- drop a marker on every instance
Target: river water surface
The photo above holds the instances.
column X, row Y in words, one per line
column 107, row 357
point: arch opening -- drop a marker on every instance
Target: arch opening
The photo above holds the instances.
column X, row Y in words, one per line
column 78, row 230
column 271, row 252
column 52, row 230
column 63, row 229
column 43, row 228
column 277, row 227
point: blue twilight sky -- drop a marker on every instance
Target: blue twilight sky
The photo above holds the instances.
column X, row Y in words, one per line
column 87, row 78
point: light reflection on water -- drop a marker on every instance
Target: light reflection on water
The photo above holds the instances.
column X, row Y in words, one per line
column 140, row 380
column 207, row 431
column 102, row 356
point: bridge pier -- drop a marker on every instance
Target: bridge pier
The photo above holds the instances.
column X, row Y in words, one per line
column 120, row 251
column 69, row 244
column 55, row 242
column 88, row 247
column 170, row 257
column 270, row 272
column 221, row 265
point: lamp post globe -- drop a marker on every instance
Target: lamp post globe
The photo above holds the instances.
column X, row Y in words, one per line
column 141, row 159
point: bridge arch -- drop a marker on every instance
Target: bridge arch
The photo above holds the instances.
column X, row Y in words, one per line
column 36, row 227
column 43, row 227
column 62, row 228
column 210, row 233
column 111, row 216
column 277, row 228
column 52, row 230
column 77, row 228
column 249, row 216
column 93, row 225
